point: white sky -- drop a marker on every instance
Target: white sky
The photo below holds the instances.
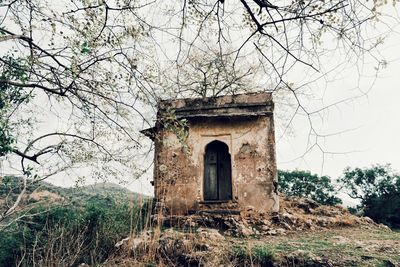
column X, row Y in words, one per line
column 374, row 120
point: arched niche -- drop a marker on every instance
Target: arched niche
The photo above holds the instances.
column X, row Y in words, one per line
column 217, row 172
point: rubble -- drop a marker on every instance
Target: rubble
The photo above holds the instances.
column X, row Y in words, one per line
column 206, row 239
column 178, row 247
column 295, row 214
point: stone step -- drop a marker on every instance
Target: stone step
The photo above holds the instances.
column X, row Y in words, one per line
column 217, row 212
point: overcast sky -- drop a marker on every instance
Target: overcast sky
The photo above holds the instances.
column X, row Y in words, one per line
column 370, row 124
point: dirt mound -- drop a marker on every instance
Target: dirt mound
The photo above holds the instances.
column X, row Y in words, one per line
column 295, row 214
column 45, row 195
column 171, row 247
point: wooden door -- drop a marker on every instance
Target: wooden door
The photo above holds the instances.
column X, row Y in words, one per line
column 217, row 172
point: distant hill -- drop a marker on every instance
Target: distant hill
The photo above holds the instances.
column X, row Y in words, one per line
column 115, row 191
column 10, row 187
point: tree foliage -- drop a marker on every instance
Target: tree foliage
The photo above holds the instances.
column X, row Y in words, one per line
column 10, row 98
column 304, row 184
column 378, row 190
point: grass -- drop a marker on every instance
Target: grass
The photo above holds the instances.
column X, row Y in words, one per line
column 349, row 246
column 346, row 246
column 248, row 256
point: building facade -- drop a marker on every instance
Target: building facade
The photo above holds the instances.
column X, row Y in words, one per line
column 215, row 154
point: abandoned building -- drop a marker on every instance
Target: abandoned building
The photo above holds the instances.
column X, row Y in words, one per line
column 215, row 154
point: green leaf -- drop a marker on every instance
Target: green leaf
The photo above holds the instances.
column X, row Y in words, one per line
column 85, row 48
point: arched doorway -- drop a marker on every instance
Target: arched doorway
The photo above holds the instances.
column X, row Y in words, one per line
column 217, row 172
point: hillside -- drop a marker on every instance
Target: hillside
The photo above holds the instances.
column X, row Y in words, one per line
column 55, row 226
column 114, row 191
column 343, row 246
column 302, row 233
column 48, row 194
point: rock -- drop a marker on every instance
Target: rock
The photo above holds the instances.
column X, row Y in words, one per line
column 307, row 205
column 266, row 223
column 286, row 226
column 338, row 239
column 384, row 227
column 245, row 231
column 249, row 208
column 210, row 234
column 306, row 258
column 278, row 231
column 135, row 241
column 367, row 220
column 121, row 243
column 275, row 218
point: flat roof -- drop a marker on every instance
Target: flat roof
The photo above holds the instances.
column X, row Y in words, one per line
column 250, row 104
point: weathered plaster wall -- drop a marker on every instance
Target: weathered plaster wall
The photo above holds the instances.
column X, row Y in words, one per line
column 179, row 173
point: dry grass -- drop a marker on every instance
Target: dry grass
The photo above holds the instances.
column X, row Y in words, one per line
column 311, row 235
column 346, row 246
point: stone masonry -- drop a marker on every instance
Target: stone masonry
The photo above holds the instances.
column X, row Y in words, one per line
column 192, row 175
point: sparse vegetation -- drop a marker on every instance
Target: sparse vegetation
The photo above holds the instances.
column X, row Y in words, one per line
column 82, row 229
column 248, row 256
column 337, row 247
column 348, row 246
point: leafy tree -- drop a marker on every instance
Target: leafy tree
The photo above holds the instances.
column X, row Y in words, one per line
column 304, row 184
column 378, row 189
column 10, row 98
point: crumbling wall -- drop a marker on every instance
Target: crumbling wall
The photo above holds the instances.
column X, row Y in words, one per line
column 179, row 171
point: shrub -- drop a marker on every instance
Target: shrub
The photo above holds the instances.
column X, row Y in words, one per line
column 378, row 190
column 69, row 235
column 263, row 255
column 259, row 254
column 304, row 184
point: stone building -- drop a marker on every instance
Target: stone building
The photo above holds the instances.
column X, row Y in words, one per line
column 220, row 159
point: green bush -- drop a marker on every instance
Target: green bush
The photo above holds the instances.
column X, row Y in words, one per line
column 263, row 255
column 304, row 184
column 378, row 190
column 260, row 255
column 69, row 235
